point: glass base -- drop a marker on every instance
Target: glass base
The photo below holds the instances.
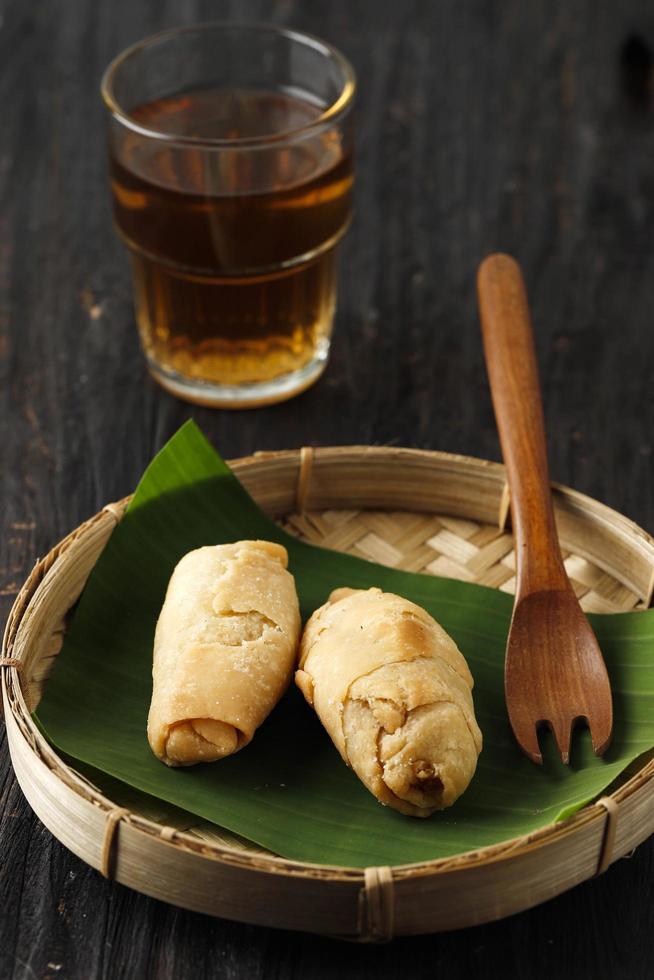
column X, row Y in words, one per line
column 253, row 395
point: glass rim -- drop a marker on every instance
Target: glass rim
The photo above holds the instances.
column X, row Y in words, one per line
column 331, row 112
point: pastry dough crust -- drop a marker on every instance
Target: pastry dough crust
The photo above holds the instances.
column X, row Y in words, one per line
column 224, row 650
column 394, row 693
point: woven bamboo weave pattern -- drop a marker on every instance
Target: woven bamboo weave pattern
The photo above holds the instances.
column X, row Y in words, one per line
column 452, row 547
column 422, row 512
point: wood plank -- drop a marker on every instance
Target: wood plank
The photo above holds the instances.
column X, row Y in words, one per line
column 480, row 127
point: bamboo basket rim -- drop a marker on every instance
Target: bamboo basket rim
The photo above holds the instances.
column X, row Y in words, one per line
column 16, row 703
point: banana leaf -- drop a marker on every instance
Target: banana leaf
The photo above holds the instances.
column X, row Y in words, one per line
column 289, row 791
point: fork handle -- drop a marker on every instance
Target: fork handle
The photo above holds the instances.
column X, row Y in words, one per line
column 515, row 389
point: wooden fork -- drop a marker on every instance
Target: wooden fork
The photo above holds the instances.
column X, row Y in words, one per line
column 554, row 672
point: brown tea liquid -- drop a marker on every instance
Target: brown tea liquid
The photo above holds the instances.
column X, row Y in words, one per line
column 233, row 248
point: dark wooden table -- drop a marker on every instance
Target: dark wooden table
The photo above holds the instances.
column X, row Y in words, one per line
column 526, row 126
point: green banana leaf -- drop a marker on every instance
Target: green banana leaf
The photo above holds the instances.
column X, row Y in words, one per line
column 289, row 791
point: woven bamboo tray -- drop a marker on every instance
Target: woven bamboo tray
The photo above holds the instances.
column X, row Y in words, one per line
column 421, row 511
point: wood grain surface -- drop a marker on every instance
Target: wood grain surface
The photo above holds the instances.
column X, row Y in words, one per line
column 554, row 671
column 526, row 127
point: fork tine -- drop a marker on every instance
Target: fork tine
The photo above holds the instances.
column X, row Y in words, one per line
column 562, row 731
column 600, row 732
column 527, row 738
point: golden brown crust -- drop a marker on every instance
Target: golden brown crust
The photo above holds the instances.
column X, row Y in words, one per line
column 224, row 650
column 394, row 693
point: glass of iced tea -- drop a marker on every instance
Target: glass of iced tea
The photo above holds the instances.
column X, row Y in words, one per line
column 231, row 172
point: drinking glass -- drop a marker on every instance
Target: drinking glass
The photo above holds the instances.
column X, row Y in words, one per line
column 230, row 154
